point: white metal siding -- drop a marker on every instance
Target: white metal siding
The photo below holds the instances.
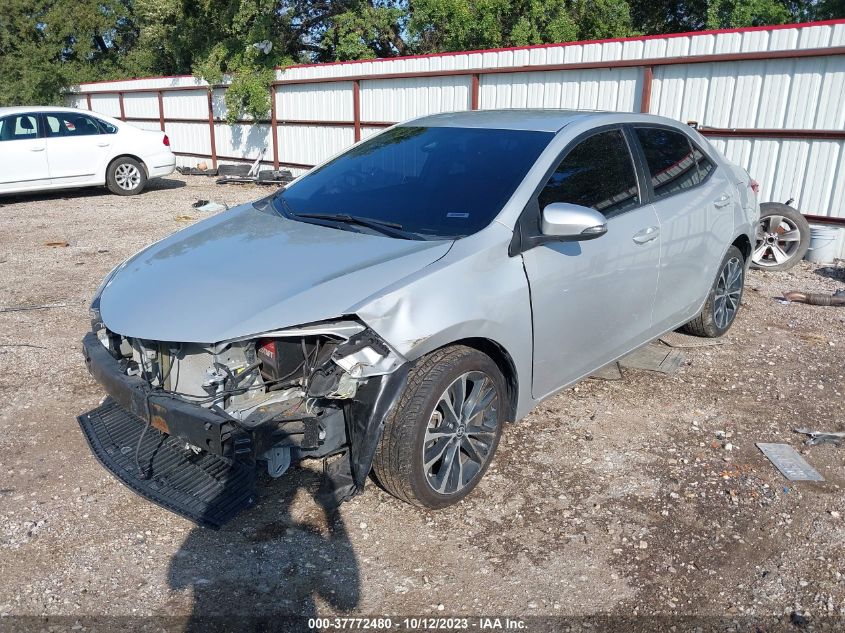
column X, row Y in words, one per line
column 798, row 93
column 605, row 89
column 401, row 99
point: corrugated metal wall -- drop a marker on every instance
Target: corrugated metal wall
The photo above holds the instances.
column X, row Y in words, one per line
column 776, row 95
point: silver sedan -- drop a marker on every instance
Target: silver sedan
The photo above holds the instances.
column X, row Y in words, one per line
column 393, row 308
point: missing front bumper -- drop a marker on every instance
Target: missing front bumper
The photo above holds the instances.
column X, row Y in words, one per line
column 205, row 488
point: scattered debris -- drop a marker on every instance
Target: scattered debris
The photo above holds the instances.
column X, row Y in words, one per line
column 22, row 345
column 209, row 206
column 184, row 217
column 821, row 437
column 57, row 244
column 240, row 174
column 200, row 170
column 677, row 339
column 790, row 464
column 816, row 298
column 38, row 307
column 608, row 372
column 654, row 357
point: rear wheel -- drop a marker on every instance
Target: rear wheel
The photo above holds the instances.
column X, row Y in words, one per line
column 783, row 236
column 441, row 437
column 126, row 176
column 723, row 301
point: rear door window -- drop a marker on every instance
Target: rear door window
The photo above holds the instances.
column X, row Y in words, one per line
column 71, row 124
column 598, row 173
column 670, row 159
column 18, row 127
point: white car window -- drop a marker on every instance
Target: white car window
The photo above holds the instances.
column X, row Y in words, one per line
column 18, row 127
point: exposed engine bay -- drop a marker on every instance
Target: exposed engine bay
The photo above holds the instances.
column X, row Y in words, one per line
column 290, row 391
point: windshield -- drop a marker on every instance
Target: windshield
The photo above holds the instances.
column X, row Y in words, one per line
column 433, row 182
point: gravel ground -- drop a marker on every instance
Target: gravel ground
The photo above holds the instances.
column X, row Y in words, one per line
column 644, row 496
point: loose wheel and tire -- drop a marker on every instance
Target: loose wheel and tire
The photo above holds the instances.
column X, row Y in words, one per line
column 440, row 438
column 783, row 236
column 126, row 177
column 723, row 301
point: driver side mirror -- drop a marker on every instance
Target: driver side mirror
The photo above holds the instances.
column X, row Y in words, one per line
column 567, row 222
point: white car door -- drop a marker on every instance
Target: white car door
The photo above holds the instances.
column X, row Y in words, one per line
column 592, row 300
column 23, row 159
column 77, row 148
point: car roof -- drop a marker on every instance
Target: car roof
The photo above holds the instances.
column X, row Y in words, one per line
column 32, row 109
column 537, row 120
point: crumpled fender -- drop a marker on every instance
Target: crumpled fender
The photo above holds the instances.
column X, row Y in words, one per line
column 365, row 419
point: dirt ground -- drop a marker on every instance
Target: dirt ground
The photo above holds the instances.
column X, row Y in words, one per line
column 642, row 497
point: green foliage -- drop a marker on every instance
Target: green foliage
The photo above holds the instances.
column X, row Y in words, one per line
column 364, row 30
column 450, row 25
column 48, row 45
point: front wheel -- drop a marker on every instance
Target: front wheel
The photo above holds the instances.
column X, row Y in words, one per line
column 126, row 176
column 441, row 436
column 722, row 304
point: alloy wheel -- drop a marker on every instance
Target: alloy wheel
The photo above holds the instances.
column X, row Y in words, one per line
column 778, row 239
column 728, row 293
column 461, row 433
column 127, row 176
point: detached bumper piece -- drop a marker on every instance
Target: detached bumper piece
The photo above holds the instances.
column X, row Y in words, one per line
column 205, row 488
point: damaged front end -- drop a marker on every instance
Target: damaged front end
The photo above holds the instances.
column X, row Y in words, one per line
column 188, row 425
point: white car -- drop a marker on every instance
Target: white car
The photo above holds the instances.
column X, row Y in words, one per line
column 58, row 148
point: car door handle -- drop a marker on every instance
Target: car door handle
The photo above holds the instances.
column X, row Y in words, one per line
column 646, row 235
column 103, row 144
column 722, row 201
column 36, row 149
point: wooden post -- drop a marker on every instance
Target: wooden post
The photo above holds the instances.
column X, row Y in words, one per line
column 88, row 100
column 160, row 111
column 356, row 108
column 648, row 77
column 474, row 94
column 274, row 127
column 122, row 109
column 211, row 130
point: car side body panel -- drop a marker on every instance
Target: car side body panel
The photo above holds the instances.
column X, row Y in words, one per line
column 472, row 292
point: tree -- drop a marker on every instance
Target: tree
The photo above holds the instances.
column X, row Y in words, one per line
column 47, row 45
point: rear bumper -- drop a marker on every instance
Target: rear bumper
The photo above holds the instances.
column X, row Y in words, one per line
column 161, row 164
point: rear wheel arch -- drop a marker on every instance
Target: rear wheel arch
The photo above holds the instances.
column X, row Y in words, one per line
column 744, row 245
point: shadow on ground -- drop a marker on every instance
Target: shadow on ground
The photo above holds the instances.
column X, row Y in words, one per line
column 278, row 569
column 157, row 184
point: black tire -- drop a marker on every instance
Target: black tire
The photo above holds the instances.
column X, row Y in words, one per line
column 126, row 176
column 776, row 221
column 710, row 322
column 399, row 464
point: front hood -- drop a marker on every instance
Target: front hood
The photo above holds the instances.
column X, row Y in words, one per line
column 248, row 271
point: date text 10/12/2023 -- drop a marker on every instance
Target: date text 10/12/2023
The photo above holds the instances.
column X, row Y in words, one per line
column 417, row 624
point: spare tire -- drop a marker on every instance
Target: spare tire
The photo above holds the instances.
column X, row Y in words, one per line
column 783, row 237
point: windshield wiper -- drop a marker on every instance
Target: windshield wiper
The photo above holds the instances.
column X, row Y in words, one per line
column 392, row 229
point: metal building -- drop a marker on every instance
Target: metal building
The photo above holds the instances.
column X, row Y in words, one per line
column 772, row 98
